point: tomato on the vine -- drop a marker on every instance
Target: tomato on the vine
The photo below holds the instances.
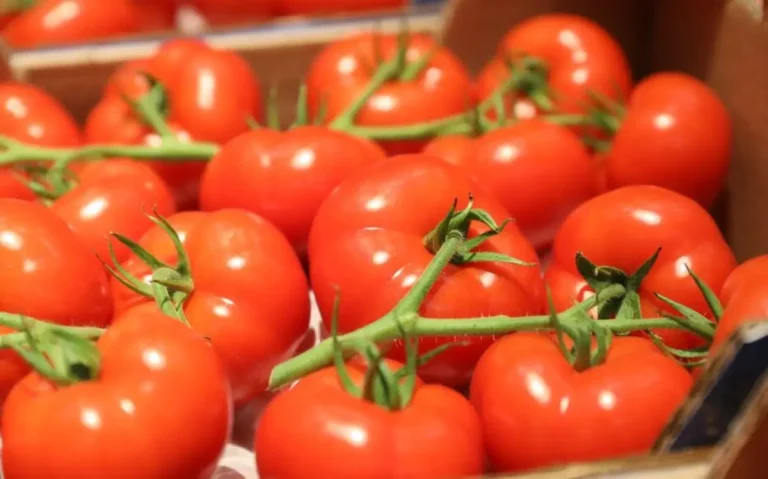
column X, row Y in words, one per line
column 52, row 22
column 436, row 435
column 537, row 170
column 580, row 57
column 622, row 229
column 342, row 70
column 122, row 415
column 114, row 196
column 676, row 133
column 294, row 173
column 451, row 148
column 537, row 411
column 237, row 261
column 367, row 241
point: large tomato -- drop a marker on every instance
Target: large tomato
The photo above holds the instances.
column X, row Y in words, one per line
column 52, row 22
column 367, row 241
column 537, row 170
column 343, row 69
column 580, row 58
column 114, row 196
column 238, row 261
column 315, row 7
column 122, row 416
column 293, row 173
column 745, row 297
column 537, row 411
column 437, row 435
column 30, row 115
column 622, row 229
column 677, row 134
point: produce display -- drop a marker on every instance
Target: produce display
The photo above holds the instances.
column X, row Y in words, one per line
column 159, row 264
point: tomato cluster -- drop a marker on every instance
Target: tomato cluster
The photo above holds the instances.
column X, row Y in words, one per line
column 160, row 265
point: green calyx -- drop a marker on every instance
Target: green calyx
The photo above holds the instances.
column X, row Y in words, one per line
column 170, row 285
column 459, row 222
column 48, row 183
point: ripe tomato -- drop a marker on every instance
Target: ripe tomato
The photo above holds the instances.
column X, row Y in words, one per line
column 537, row 411
column 367, row 240
column 224, row 12
column 233, row 254
column 166, row 63
column 214, row 94
column 745, row 297
column 622, row 229
column 130, row 79
column 53, row 22
column 343, row 69
column 294, row 173
column 436, row 435
column 315, row 7
column 580, row 57
column 450, row 148
column 122, row 416
column 676, row 134
column 114, row 196
column 155, row 15
column 507, row 159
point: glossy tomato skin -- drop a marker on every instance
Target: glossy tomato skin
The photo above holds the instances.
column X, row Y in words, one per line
column 437, row 435
column 506, row 161
column 367, row 241
column 233, row 255
column 343, row 69
column 315, row 7
column 171, row 55
column 214, row 94
column 41, row 256
column 284, row 176
column 537, row 411
column 580, row 56
column 450, row 148
column 114, row 196
column 623, row 228
column 676, row 134
column 55, row 22
column 122, row 417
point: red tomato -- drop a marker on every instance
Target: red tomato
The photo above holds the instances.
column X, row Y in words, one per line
column 223, row 12
column 12, row 369
column 215, row 93
column 315, row 7
column 114, row 196
column 53, row 22
column 622, row 229
column 130, row 79
column 172, row 54
column 234, row 254
column 451, row 148
column 294, row 172
column 122, row 417
column 367, row 240
column 537, row 411
column 343, row 69
column 580, row 57
column 676, row 134
column 156, row 15
column 745, row 297
column 506, row 160
column 436, row 435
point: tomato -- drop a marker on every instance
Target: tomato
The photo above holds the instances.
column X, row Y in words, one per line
column 52, row 22
column 580, row 58
column 114, row 196
column 342, row 70
column 223, row 12
column 294, row 173
column 507, row 159
column 216, row 92
column 450, row 148
column 537, row 411
column 171, row 55
column 122, row 416
column 12, row 369
column 436, row 435
column 233, row 255
column 315, row 7
column 156, row 15
column 677, row 134
column 367, row 240
column 745, row 297
column 622, row 229
column 130, row 79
